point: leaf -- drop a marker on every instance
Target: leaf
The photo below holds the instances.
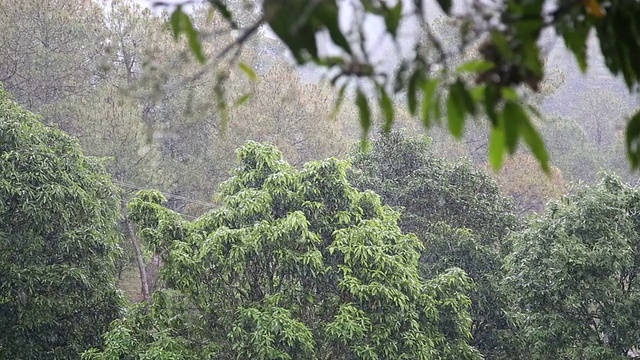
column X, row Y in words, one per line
column 594, row 8
column 531, row 58
column 477, row 93
column 455, row 115
column 326, row 13
column 392, row 18
column 428, row 90
column 459, row 104
column 464, row 95
column 221, row 102
column 181, row 23
column 445, row 5
column 365, row 114
column 412, row 87
column 249, row 71
column 496, row 148
column 534, row 140
column 176, row 22
column 242, row 99
column 222, row 8
column 511, row 116
column 509, row 94
column 298, row 34
column 387, row 109
column 633, row 140
column 475, row 66
column 336, row 108
column 490, row 102
column 516, row 123
column 575, row 38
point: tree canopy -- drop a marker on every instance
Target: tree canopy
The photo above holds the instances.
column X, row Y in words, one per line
column 295, row 264
column 459, row 215
column 58, row 240
column 505, row 37
column 573, row 276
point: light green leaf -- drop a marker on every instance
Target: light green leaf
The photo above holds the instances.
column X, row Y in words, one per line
column 242, row 99
column 496, row 148
column 249, row 71
column 475, row 66
column 181, row 23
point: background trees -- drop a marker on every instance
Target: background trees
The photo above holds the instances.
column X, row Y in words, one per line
column 58, row 241
column 508, row 37
column 295, row 264
column 573, row 275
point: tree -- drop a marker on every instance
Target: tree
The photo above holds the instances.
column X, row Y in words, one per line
column 457, row 212
column 50, row 50
column 573, row 275
column 58, row 241
column 405, row 173
column 295, row 264
column 507, row 35
column 531, row 189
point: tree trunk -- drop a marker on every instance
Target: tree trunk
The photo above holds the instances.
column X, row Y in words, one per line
column 142, row 268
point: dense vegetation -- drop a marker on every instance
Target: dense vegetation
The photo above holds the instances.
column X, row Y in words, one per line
column 273, row 233
column 58, row 241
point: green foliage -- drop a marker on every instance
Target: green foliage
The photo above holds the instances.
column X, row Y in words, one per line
column 58, row 241
column 507, row 37
column 456, row 211
column 573, row 275
column 405, row 173
column 295, row 264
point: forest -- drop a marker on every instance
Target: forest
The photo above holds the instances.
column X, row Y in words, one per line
column 155, row 207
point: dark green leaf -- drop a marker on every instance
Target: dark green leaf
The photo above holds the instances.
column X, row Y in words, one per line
column 531, row 58
column 222, row 8
column 428, row 90
column 575, row 37
column 387, row 108
column 365, row 114
column 445, row 5
column 490, row 102
column 176, row 22
column 464, row 97
column 511, row 117
column 326, row 14
column 412, row 88
column 392, row 18
column 633, row 140
column 455, row 114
